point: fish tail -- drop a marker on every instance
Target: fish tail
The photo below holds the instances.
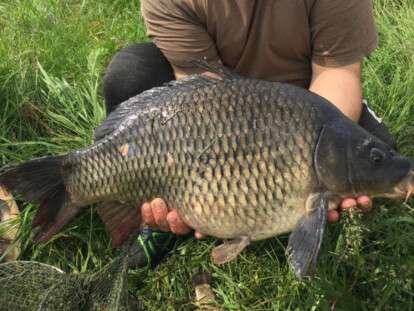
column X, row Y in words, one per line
column 41, row 181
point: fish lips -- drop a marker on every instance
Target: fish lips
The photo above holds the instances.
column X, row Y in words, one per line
column 404, row 190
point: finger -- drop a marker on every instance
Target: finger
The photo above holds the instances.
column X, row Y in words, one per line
column 364, row 203
column 348, row 203
column 147, row 215
column 160, row 211
column 176, row 224
column 333, row 216
column 4, row 214
column 199, row 235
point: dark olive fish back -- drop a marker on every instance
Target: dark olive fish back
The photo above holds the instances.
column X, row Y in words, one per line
column 234, row 156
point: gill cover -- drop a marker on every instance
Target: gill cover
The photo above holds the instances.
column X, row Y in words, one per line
column 331, row 161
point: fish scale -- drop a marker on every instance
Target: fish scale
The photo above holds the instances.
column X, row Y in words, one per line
column 244, row 152
column 238, row 158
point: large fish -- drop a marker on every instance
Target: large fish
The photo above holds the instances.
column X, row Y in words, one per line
column 240, row 159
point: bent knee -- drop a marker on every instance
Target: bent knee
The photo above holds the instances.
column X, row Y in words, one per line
column 132, row 70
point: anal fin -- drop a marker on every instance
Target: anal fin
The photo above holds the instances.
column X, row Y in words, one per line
column 121, row 220
column 229, row 250
column 305, row 241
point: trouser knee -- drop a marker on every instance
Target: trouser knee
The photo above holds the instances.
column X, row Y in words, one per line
column 372, row 124
column 132, row 70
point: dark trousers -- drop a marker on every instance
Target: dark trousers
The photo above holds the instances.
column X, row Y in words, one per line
column 134, row 69
column 142, row 66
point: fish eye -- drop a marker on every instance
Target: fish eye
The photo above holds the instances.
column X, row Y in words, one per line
column 377, row 155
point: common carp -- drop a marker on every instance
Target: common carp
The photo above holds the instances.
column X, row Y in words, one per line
column 239, row 158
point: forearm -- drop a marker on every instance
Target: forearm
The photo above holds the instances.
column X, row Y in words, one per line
column 341, row 86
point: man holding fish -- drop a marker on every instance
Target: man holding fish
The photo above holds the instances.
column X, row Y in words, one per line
column 315, row 44
column 307, row 43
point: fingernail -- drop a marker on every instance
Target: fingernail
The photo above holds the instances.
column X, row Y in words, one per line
column 333, row 216
column 199, row 235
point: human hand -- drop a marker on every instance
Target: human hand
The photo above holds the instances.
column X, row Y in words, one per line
column 155, row 214
column 362, row 203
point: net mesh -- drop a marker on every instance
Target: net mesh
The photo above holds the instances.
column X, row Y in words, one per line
column 29, row 285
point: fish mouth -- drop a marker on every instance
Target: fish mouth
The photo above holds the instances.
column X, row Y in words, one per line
column 405, row 188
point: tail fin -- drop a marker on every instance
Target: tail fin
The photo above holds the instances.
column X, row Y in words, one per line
column 40, row 181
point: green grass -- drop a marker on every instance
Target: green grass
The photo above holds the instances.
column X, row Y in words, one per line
column 53, row 55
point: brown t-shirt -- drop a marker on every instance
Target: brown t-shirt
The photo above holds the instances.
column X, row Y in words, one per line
column 274, row 40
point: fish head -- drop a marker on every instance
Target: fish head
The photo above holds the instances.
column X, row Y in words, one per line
column 377, row 170
column 350, row 161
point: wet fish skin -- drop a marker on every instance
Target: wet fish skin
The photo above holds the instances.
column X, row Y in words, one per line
column 245, row 169
column 239, row 159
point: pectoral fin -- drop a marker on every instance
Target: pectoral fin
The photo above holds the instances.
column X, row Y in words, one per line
column 229, row 250
column 305, row 241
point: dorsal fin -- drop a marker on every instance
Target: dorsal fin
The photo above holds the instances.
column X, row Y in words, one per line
column 125, row 109
column 148, row 100
column 217, row 68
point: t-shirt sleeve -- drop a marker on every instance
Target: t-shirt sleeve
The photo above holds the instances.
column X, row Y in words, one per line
column 342, row 31
column 177, row 30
